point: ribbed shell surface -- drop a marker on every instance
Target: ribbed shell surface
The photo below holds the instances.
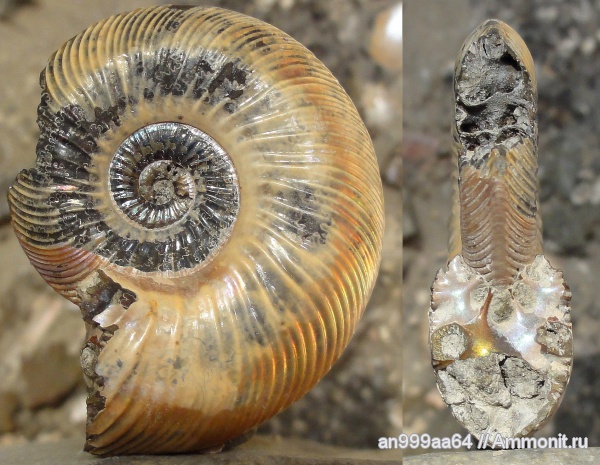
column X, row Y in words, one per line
column 500, row 324
column 186, row 351
column 496, row 227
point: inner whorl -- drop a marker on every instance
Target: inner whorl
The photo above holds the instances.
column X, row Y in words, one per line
column 174, row 178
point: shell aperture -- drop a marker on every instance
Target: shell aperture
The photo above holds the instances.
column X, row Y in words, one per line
column 206, row 192
column 500, row 326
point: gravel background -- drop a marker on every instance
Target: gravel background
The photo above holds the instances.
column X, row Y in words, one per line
column 564, row 40
column 41, row 393
column 41, row 390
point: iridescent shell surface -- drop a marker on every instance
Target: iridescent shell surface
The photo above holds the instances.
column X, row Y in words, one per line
column 500, row 326
column 206, row 192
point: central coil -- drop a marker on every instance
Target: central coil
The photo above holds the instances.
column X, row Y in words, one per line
column 176, row 178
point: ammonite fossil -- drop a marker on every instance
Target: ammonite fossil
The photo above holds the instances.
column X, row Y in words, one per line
column 500, row 326
column 206, row 192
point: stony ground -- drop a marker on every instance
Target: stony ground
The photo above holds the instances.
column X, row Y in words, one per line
column 564, row 39
column 41, row 392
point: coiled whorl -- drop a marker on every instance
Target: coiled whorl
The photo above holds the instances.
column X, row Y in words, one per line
column 206, row 192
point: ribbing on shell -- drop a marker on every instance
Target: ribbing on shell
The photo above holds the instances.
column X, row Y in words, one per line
column 206, row 192
column 500, row 326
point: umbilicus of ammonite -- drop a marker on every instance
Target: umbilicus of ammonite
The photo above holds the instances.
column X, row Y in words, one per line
column 206, row 192
column 500, row 326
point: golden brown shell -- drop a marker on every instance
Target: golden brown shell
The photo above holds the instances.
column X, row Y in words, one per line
column 220, row 276
column 500, row 324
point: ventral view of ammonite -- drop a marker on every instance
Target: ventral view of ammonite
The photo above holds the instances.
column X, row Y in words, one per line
column 500, row 323
column 299, row 232
column 500, row 156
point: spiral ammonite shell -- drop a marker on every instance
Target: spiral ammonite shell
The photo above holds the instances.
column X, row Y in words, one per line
column 500, row 324
column 206, row 192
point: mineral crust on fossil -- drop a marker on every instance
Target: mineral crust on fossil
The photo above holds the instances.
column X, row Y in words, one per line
column 206, row 192
column 500, row 326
